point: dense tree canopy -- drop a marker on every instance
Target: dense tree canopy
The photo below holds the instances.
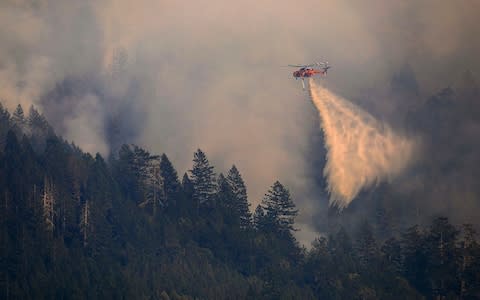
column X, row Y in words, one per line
column 77, row 226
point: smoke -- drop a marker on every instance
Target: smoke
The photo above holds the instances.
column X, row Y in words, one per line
column 86, row 125
column 361, row 151
column 172, row 76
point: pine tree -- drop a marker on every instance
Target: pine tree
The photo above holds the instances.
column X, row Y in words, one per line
column 279, row 208
column 171, row 184
column 100, row 195
column 138, row 173
column 259, row 218
column 125, row 172
column 85, row 222
column 225, row 196
column 14, row 168
column 203, row 179
column 187, row 185
column 18, row 117
column 4, row 114
column 186, row 207
column 152, row 185
column 225, row 202
column 19, row 122
column 39, row 129
column 5, row 125
column 239, row 192
column 144, row 173
column 33, row 116
column 49, row 205
column 224, row 215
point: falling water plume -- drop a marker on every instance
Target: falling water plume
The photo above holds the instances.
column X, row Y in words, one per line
column 361, row 151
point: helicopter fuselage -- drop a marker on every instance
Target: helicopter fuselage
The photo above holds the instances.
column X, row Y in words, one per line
column 307, row 72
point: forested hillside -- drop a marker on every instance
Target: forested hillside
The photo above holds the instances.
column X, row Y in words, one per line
column 130, row 227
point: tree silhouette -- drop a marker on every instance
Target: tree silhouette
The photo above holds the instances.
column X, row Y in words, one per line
column 203, row 179
column 239, row 191
column 280, row 211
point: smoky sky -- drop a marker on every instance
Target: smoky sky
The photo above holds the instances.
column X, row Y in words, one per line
column 174, row 76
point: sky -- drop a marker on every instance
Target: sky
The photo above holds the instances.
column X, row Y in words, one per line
column 174, row 76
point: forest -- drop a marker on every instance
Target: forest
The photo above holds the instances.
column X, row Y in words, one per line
column 75, row 226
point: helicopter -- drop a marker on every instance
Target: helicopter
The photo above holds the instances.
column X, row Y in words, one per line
column 307, row 71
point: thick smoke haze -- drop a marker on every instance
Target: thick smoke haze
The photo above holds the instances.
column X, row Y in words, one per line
column 173, row 76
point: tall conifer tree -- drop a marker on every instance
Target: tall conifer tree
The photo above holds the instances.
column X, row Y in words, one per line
column 203, row 179
column 280, row 211
column 239, row 191
column 171, row 184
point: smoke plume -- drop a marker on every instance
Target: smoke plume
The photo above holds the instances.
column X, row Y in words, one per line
column 361, row 151
column 173, row 76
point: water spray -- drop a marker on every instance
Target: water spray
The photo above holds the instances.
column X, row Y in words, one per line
column 361, row 151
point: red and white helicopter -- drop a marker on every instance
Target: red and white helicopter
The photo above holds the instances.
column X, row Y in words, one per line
column 307, row 71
